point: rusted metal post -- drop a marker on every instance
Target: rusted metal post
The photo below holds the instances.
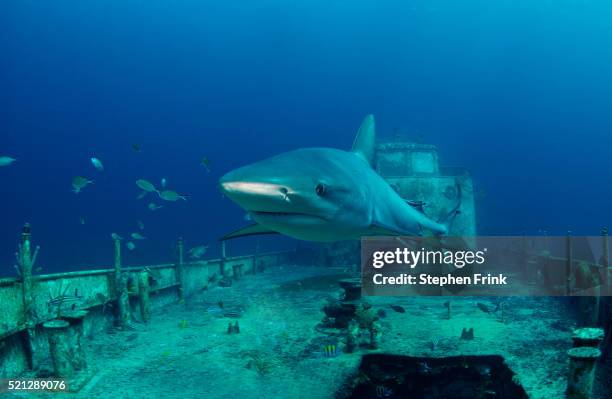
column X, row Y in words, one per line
column 605, row 262
column 588, row 336
column 255, row 257
column 77, row 345
column 179, row 269
column 568, row 263
column 25, row 269
column 237, row 271
column 222, row 263
column 605, row 304
column 144, row 296
column 117, row 256
column 121, row 292
column 26, row 265
column 60, row 348
column 581, row 372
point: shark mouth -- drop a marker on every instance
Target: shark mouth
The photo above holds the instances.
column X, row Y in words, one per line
column 285, row 214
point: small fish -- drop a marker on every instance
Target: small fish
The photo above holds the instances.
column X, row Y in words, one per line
column 79, row 182
column 485, row 308
column 483, row 370
column 382, row 392
column 82, row 221
column 140, row 224
column 153, row 207
column 142, row 195
column 136, row 147
column 130, row 245
column 197, row 252
column 97, row 164
column 215, row 311
column 138, row 236
column 423, row 368
column 6, row 161
column 65, row 299
column 398, row 309
column 169, row 195
column 146, row 185
column 116, row 236
column 330, row 351
column 163, row 182
column 206, row 163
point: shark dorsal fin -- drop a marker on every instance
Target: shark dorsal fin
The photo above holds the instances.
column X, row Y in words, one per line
column 364, row 142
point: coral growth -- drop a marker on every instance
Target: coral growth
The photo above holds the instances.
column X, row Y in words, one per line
column 365, row 317
column 23, row 257
column 258, row 361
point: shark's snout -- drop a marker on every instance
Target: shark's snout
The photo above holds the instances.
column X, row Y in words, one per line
column 258, row 196
column 252, row 188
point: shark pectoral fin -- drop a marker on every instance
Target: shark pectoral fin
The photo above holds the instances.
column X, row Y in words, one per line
column 364, row 143
column 251, row 230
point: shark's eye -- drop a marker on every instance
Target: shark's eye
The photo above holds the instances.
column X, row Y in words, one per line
column 320, row 189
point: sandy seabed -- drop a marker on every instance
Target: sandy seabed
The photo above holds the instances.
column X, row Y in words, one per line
column 186, row 352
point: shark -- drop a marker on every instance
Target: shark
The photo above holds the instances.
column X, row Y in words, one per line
column 327, row 195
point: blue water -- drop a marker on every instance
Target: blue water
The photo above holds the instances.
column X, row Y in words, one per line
column 517, row 91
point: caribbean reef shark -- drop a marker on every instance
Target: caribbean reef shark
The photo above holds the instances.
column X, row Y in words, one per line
column 326, row 194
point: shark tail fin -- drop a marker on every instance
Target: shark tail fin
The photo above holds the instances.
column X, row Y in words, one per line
column 448, row 219
column 364, row 142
